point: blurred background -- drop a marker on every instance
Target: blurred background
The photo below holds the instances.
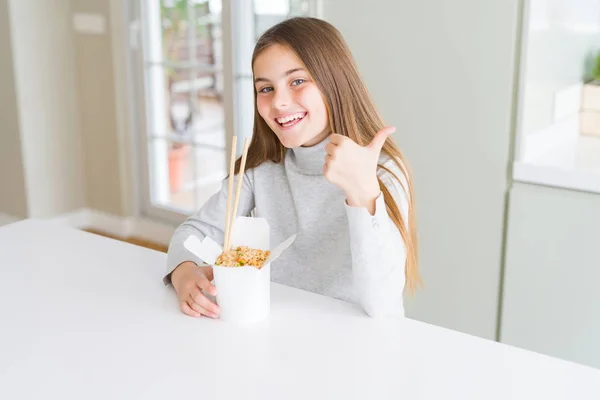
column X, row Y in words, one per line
column 116, row 117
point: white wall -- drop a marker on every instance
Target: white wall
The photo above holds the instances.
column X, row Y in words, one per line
column 443, row 73
column 12, row 181
column 97, row 102
column 43, row 55
column 551, row 296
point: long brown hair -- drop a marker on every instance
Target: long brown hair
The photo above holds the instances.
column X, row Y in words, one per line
column 322, row 49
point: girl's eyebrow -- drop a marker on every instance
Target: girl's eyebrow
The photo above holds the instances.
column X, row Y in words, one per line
column 287, row 73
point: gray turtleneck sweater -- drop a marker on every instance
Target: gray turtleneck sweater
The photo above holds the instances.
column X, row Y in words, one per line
column 340, row 251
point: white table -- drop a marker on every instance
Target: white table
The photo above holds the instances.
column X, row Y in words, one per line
column 86, row 317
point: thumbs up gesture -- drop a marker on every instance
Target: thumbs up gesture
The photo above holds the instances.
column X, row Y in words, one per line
column 353, row 168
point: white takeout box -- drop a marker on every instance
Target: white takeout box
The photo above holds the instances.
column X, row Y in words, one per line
column 243, row 293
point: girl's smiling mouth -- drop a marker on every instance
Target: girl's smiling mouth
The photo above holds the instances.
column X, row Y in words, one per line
column 290, row 120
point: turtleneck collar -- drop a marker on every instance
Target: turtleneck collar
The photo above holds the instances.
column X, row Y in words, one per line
column 308, row 160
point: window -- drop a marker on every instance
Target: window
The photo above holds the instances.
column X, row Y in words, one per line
column 558, row 124
column 194, row 92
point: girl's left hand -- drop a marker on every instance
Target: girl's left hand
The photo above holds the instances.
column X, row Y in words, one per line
column 353, row 168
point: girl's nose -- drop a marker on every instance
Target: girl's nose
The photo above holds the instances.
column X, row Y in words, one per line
column 281, row 99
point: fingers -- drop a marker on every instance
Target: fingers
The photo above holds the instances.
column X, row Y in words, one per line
column 336, row 138
column 208, row 287
column 207, row 271
column 388, row 130
column 380, row 138
column 199, row 310
column 187, row 310
column 198, row 299
column 192, row 308
column 330, row 149
column 189, row 288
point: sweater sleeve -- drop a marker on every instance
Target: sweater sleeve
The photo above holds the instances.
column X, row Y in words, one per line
column 378, row 251
column 209, row 221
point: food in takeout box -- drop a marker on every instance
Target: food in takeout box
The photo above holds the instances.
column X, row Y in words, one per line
column 243, row 256
column 243, row 292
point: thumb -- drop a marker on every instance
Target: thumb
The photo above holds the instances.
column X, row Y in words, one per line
column 380, row 137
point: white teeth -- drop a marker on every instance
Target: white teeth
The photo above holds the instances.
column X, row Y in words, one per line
column 289, row 118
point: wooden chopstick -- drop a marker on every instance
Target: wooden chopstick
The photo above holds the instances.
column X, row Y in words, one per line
column 238, row 189
column 230, row 193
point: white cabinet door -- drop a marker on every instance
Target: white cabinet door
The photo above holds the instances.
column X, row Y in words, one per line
column 551, row 296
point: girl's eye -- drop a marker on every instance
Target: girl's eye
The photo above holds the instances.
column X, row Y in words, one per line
column 266, row 89
column 298, row 81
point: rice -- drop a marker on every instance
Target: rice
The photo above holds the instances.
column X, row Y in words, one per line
column 243, row 256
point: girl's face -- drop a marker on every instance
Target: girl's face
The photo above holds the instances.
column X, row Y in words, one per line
column 287, row 99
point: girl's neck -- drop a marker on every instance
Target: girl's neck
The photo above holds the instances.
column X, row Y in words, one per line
column 317, row 139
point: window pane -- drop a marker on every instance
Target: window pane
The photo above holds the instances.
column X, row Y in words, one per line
column 171, row 172
column 271, row 12
column 184, row 176
column 185, row 102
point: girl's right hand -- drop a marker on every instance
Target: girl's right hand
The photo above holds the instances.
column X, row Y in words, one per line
column 189, row 280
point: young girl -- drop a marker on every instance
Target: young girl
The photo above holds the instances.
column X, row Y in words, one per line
column 320, row 165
